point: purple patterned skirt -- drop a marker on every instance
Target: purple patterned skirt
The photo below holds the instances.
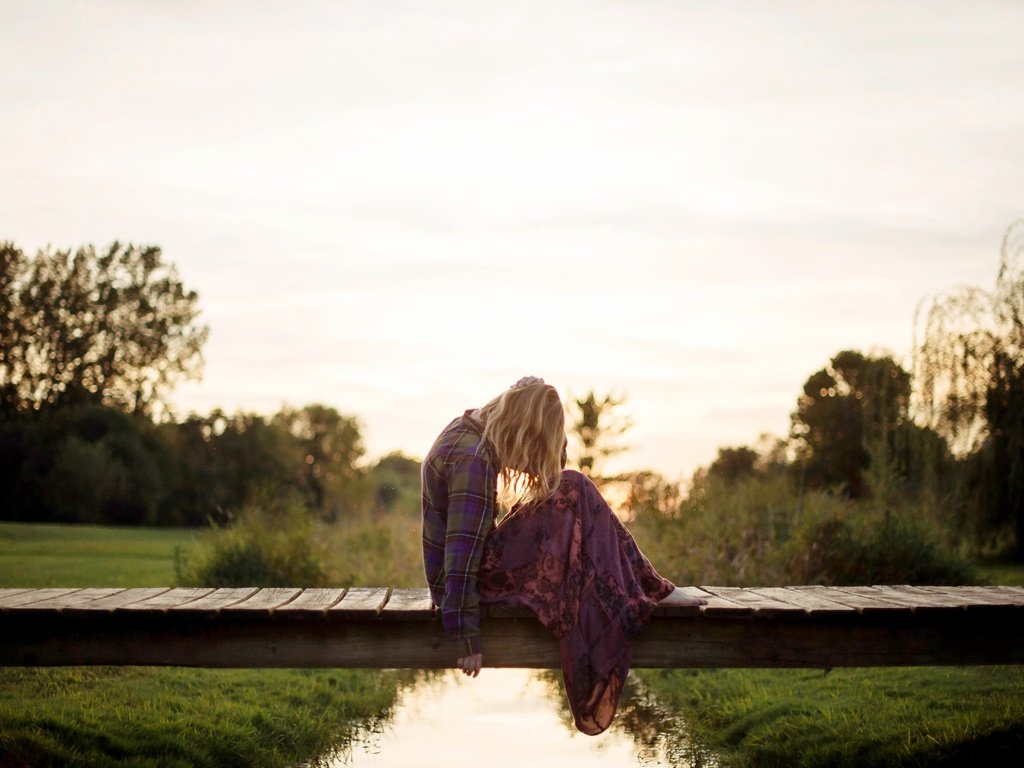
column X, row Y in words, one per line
column 571, row 561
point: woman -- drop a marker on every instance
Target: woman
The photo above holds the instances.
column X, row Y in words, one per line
column 560, row 550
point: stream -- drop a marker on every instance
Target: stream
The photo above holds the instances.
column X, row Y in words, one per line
column 515, row 718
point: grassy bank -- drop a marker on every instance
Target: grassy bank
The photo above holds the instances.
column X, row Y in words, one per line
column 851, row 717
column 923, row 716
column 123, row 716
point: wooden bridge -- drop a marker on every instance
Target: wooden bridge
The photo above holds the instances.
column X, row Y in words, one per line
column 812, row 626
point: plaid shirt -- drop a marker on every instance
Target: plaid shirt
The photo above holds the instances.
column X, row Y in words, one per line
column 459, row 492
column 460, row 486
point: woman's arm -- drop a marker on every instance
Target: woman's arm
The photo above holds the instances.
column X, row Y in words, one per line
column 471, row 504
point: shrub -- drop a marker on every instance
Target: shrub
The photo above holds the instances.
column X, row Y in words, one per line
column 760, row 532
column 867, row 550
column 264, row 546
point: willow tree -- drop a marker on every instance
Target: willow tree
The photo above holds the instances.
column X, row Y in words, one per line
column 969, row 374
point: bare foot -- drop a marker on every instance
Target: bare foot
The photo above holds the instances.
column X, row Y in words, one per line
column 678, row 597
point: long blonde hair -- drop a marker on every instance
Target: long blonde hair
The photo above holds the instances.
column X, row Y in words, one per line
column 525, row 427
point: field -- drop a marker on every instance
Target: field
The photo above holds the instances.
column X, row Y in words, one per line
column 90, row 555
column 139, row 716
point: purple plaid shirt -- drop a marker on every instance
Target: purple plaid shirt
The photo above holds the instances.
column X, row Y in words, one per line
column 459, row 492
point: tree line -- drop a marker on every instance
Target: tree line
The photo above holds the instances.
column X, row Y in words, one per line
column 944, row 434
column 91, row 344
column 93, row 341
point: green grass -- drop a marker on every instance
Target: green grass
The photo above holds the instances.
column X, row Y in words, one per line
column 90, row 555
column 1005, row 574
column 130, row 716
column 932, row 716
column 140, row 716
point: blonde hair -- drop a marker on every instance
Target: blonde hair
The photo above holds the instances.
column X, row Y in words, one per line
column 525, row 427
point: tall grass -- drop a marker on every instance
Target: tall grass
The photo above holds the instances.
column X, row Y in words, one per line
column 759, row 532
column 282, row 543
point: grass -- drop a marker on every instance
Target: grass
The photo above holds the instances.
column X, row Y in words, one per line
column 850, row 717
column 140, row 716
column 1005, row 574
column 129, row 716
column 37, row 555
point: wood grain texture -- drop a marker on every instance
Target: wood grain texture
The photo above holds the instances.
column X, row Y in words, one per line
column 167, row 600
column 118, row 600
column 18, row 598
column 408, row 604
column 218, row 599
column 313, row 600
column 266, row 600
column 805, row 600
column 361, row 602
column 869, row 604
column 759, row 604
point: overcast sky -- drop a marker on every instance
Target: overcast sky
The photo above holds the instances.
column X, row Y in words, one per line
column 398, row 208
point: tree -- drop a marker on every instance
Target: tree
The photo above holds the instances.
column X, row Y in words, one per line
column 847, row 417
column 734, row 464
column 330, row 444
column 115, row 327
column 392, row 478
column 596, row 425
column 969, row 370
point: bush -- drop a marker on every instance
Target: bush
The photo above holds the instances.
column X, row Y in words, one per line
column 760, row 532
column 261, row 547
column 865, row 550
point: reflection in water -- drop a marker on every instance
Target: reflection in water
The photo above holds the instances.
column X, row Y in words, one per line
column 514, row 717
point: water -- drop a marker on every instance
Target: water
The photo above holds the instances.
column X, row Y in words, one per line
column 512, row 718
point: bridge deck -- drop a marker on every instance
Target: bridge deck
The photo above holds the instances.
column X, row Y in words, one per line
column 802, row 626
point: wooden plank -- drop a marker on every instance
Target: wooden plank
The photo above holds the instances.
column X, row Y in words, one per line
column 1016, row 593
column 218, row 599
column 406, row 604
column 868, row 604
column 73, row 599
column 167, row 600
column 990, row 595
column 968, row 599
column 944, row 599
column 315, row 600
column 918, row 602
column 720, row 606
column 34, row 596
column 266, row 600
column 361, row 602
column 125, row 597
column 809, row 601
column 11, row 592
column 759, row 604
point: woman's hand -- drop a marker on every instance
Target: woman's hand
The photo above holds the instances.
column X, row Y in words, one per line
column 470, row 665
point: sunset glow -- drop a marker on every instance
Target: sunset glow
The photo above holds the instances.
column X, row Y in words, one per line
column 399, row 209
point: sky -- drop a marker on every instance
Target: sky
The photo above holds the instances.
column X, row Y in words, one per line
column 399, row 208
